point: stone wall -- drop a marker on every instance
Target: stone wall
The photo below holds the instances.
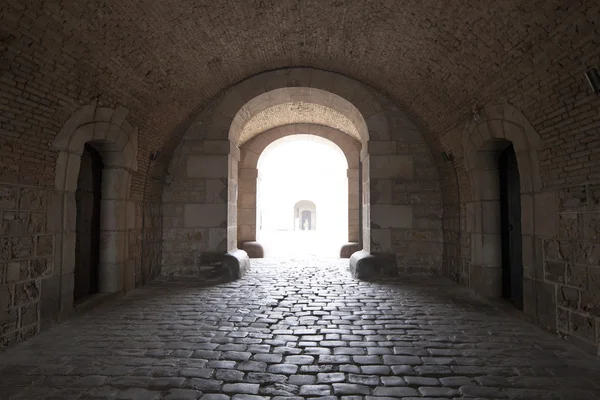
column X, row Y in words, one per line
column 195, row 207
column 26, row 258
column 571, row 269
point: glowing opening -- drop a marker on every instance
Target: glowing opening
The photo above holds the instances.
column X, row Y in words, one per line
column 302, row 198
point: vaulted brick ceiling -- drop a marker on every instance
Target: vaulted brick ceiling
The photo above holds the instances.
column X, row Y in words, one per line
column 172, row 56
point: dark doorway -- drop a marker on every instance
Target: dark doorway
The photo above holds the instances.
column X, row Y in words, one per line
column 510, row 217
column 87, row 242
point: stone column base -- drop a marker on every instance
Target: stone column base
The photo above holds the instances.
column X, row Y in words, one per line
column 348, row 249
column 235, row 264
column 365, row 265
column 254, row 249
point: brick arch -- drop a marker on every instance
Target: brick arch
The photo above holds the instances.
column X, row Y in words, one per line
column 497, row 128
column 351, row 99
column 336, row 91
column 108, row 131
column 248, row 175
column 322, row 108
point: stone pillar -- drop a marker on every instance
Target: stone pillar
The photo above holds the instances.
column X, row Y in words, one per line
column 387, row 215
column 353, row 205
column 232, row 197
column 366, row 202
column 247, row 203
column 209, row 216
column 113, row 235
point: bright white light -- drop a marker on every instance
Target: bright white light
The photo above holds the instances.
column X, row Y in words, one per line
column 295, row 168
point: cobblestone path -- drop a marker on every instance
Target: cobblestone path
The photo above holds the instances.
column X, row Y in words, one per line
column 299, row 329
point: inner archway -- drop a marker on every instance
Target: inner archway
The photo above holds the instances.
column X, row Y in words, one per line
column 297, row 174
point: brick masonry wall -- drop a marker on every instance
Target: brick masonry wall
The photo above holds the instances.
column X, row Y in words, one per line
column 550, row 89
column 26, row 257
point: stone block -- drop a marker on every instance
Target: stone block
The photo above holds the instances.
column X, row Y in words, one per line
column 22, row 247
column 486, row 281
column 555, row 272
column 587, row 253
column 569, row 199
column 29, row 315
column 381, row 191
column 576, row 276
column 216, row 191
column 216, row 147
column 217, row 239
column 568, row 225
column 348, row 249
column 207, row 166
column 8, row 197
column 545, row 214
column 563, row 320
column 567, row 297
column 32, row 199
column 6, row 296
column 364, row 265
column 398, row 168
column 583, row 327
column 253, row 249
column 235, row 264
column 44, row 245
column 27, row 292
column 590, row 226
column 381, row 240
column 546, row 305
column 381, row 147
column 9, row 320
column 391, row 216
column 590, row 298
column 205, row 215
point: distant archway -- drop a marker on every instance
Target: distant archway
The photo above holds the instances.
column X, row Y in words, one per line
column 305, row 216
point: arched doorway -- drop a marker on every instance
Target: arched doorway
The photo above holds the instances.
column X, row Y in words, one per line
column 510, row 223
column 294, row 175
column 97, row 153
column 503, row 169
column 305, row 216
column 87, row 243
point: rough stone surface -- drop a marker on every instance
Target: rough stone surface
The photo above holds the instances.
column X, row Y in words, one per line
column 253, row 249
column 364, row 265
column 411, row 337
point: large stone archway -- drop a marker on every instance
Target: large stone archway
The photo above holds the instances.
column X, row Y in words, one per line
column 115, row 139
column 250, row 152
column 400, row 194
column 497, row 128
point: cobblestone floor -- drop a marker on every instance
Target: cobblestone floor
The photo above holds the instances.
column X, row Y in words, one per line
column 298, row 330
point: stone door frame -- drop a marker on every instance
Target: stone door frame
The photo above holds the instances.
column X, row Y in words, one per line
column 483, row 141
column 108, row 131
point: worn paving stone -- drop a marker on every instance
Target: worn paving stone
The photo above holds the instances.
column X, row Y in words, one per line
column 298, row 329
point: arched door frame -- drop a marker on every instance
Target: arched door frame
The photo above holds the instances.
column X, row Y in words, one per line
column 483, row 141
column 108, row 131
